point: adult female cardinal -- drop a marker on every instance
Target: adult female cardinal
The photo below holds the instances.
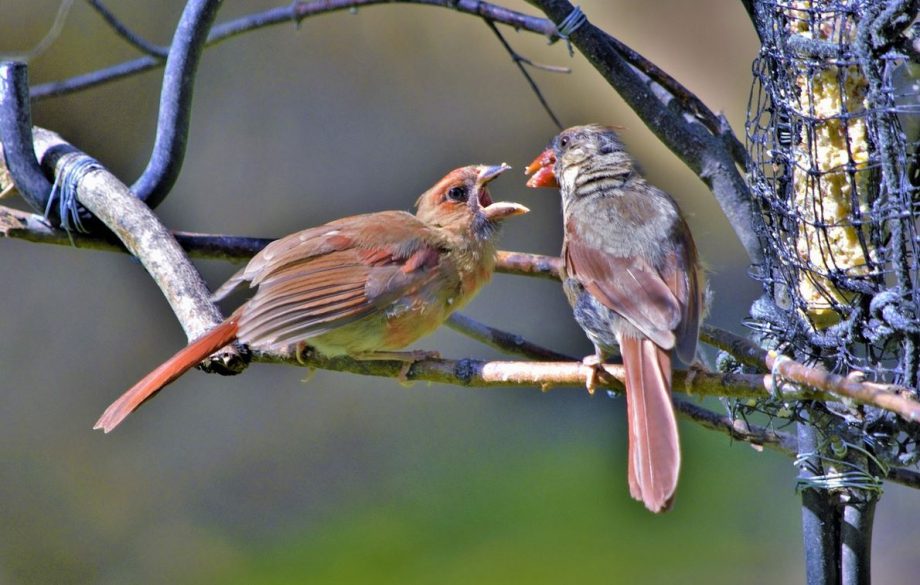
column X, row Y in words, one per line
column 360, row 286
column 632, row 277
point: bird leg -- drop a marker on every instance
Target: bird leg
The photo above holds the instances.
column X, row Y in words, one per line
column 595, row 365
column 407, row 357
column 300, row 350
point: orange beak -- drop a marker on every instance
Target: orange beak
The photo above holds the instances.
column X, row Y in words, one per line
column 498, row 210
column 542, row 170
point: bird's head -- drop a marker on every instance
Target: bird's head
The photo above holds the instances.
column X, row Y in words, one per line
column 589, row 148
column 461, row 201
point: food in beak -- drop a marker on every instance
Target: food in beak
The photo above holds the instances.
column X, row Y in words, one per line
column 541, row 170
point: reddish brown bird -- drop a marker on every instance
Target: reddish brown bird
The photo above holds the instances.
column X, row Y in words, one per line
column 632, row 277
column 362, row 286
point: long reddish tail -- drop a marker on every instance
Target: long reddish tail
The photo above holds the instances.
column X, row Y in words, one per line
column 171, row 369
column 654, row 447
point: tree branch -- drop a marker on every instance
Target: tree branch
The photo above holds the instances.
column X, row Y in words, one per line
column 528, row 264
column 31, row 227
column 507, row 342
column 175, row 111
column 291, row 12
column 520, row 62
column 141, row 232
column 709, row 148
column 546, row 375
column 22, row 225
column 891, row 397
column 473, row 373
column 708, row 155
column 126, row 33
column 737, row 429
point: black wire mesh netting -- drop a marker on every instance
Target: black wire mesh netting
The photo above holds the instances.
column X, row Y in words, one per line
column 833, row 133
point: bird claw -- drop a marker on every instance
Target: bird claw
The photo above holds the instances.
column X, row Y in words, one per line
column 596, row 368
column 403, row 377
column 311, row 373
column 410, row 359
column 302, row 349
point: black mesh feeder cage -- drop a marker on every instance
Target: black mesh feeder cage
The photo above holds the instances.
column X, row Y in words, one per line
column 832, row 131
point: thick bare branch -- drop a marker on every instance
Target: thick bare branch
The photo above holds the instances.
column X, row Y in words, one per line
column 678, row 125
column 890, row 397
column 548, row 375
column 18, row 224
column 142, row 234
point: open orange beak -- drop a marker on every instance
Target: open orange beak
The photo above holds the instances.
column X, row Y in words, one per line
column 541, row 170
column 498, row 210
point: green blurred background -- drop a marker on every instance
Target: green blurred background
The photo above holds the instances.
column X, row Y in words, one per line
column 263, row 479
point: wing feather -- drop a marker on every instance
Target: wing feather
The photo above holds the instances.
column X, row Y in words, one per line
column 664, row 302
column 629, row 287
column 326, row 277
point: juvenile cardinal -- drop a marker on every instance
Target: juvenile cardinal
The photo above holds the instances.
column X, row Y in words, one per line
column 632, row 277
column 362, row 286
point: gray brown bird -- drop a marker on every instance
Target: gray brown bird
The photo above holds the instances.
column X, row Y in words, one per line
column 632, row 277
column 362, row 286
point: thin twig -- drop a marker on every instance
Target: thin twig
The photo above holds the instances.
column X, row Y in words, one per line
column 890, row 397
column 32, row 227
column 519, row 62
column 503, row 340
column 742, row 349
column 547, row 375
column 290, row 12
column 907, row 477
column 52, row 35
column 127, row 34
column 738, row 429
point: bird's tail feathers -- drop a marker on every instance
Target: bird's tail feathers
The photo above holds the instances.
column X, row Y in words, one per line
column 186, row 359
column 654, row 447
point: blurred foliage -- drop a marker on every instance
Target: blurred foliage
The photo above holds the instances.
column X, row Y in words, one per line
column 549, row 515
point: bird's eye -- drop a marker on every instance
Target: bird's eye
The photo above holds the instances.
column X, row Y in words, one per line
column 458, row 194
column 564, row 141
